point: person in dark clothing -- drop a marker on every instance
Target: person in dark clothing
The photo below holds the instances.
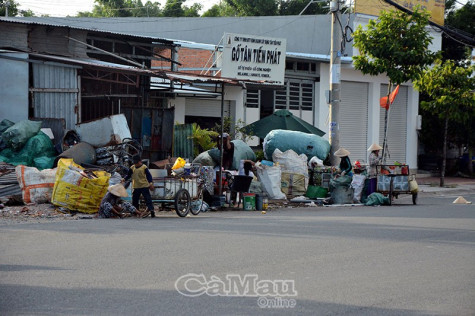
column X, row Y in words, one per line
column 228, row 151
column 113, row 206
column 345, row 163
column 142, row 183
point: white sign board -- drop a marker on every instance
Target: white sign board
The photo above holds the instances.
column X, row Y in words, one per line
column 256, row 58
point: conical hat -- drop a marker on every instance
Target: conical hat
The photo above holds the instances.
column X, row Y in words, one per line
column 374, row 146
column 342, row 152
column 461, row 200
column 118, row 189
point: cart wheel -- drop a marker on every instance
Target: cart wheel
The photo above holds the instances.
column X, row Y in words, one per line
column 196, row 210
column 182, row 202
column 414, row 198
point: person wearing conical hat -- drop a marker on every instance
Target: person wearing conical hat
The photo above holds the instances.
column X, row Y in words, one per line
column 113, row 206
column 373, row 160
column 345, row 162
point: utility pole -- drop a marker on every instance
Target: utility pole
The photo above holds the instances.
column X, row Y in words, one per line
column 335, row 71
column 6, row 4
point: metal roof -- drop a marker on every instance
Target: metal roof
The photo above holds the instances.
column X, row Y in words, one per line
column 42, row 21
column 317, row 57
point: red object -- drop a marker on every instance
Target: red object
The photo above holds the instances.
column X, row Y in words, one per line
column 383, row 102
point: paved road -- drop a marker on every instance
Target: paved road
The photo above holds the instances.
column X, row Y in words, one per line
column 397, row 260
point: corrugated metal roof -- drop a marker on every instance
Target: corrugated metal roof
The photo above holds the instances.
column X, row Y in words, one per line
column 316, row 57
column 41, row 21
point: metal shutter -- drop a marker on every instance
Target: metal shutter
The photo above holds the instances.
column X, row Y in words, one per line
column 354, row 119
column 206, row 108
column 397, row 126
column 55, row 93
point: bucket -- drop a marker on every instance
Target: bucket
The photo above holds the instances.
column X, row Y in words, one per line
column 259, row 202
column 249, row 201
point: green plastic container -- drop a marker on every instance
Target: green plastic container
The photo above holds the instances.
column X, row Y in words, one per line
column 249, row 201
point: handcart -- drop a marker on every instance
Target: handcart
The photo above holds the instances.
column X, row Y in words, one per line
column 393, row 180
column 180, row 190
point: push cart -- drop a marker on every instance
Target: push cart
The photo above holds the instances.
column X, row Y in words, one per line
column 180, row 190
column 393, row 180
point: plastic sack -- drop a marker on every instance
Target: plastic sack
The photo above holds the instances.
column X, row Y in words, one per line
column 270, row 178
column 314, row 192
column 342, row 181
column 76, row 192
column 179, row 163
column 44, row 162
column 377, row 198
column 315, row 162
column 5, row 124
column 358, row 185
column 293, row 184
column 37, row 146
column 17, row 135
column 291, row 162
column 205, row 159
column 302, row 143
column 413, row 186
column 36, row 186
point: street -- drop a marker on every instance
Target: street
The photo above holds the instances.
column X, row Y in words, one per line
column 391, row 260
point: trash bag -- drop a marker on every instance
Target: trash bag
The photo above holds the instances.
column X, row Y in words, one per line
column 358, row 185
column 76, row 192
column 5, row 124
column 302, row 143
column 17, row 135
column 342, row 181
column 44, row 162
column 377, row 198
column 37, row 146
column 205, row 159
column 291, row 162
column 270, row 178
column 314, row 192
column 36, row 186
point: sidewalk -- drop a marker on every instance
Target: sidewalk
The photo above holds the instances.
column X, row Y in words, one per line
column 453, row 185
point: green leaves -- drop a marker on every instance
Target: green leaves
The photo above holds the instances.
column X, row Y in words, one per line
column 395, row 44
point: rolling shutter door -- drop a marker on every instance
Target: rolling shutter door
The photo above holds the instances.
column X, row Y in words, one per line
column 206, row 108
column 397, row 126
column 354, row 119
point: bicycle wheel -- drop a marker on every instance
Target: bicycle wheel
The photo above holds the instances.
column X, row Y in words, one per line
column 197, row 205
column 182, row 202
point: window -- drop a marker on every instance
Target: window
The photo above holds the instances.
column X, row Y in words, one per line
column 252, row 98
column 298, row 95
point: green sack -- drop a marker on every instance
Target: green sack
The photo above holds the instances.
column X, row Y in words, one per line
column 5, row 124
column 377, row 198
column 37, row 146
column 17, row 135
column 314, row 192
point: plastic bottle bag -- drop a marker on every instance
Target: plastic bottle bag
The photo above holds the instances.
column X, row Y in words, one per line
column 179, row 163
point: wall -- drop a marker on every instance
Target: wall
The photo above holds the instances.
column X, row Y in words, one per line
column 13, row 87
column 14, row 35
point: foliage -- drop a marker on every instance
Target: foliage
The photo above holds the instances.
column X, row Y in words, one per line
column 462, row 19
column 13, row 9
column 254, row 7
column 202, row 139
column 450, row 89
column 395, row 44
column 220, row 9
column 294, row 7
column 237, row 132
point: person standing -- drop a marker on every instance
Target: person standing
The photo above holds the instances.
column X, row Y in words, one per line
column 373, row 160
column 142, row 183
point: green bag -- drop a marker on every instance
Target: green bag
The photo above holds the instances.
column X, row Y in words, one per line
column 314, row 191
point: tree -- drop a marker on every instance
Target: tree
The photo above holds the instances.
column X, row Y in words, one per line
column 123, row 8
column 13, row 9
column 395, row 44
column 221, row 9
column 451, row 92
column 463, row 20
column 294, row 7
column 254, row 7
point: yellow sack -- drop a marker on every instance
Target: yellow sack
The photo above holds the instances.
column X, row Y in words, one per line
column 76, row 192
column 293, row 184
column 179, row 163
column 413, row 186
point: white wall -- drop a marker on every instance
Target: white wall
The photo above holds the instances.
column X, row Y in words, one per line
column 179, row 104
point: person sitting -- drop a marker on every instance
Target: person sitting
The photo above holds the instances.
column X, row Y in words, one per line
column 142, row 183
column 113, row 206
column 345, row 162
